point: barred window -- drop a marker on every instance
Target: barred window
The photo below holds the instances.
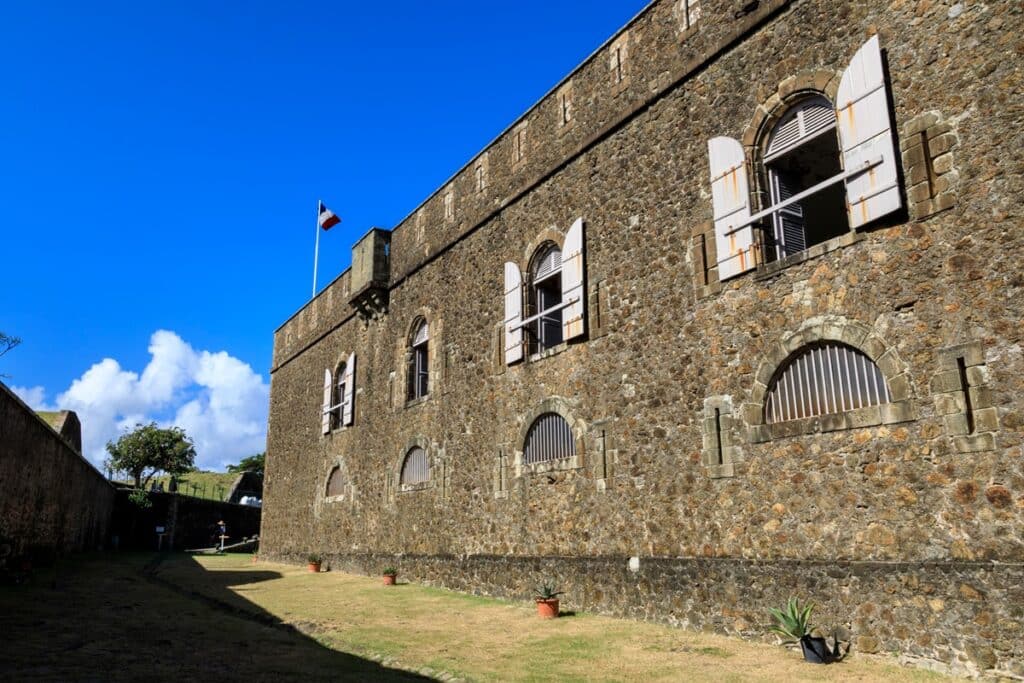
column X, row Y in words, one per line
column 416, row 467
column 549, row 438
column 823, row 379
column 336, row 483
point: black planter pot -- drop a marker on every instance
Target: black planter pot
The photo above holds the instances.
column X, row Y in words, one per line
column 817, row 651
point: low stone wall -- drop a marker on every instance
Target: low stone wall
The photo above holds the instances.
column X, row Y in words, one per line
column 189, row 522
column 961, row 617
column 52, row 500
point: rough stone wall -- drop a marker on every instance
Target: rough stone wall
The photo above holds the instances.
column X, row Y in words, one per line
column 908, row 489
column 52, row 500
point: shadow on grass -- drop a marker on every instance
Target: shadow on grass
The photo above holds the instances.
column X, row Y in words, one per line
column 147, row 617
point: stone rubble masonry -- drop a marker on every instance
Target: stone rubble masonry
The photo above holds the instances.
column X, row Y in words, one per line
column 52, row 500
column 904, row 523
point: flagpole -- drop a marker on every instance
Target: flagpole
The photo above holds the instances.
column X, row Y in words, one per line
column 316, row 249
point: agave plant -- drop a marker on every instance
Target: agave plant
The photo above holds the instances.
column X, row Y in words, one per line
column 546, row 592
column 389, row 571
column 794, row 621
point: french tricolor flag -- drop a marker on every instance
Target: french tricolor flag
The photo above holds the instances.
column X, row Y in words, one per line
column 327, row 218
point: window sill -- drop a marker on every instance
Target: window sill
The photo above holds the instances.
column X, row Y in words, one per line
column 335, row 499
column 887, row 413
column 560, row 465
column 412, row 403
column 768, row 270
column 410, row 488
column 547, row 353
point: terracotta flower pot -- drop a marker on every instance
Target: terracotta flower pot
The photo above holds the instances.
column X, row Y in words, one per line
column 314, row 567
column 547, row 609
column 389, row 579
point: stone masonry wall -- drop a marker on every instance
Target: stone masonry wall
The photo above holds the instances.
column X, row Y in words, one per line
column 52, row 500
column 870, row 515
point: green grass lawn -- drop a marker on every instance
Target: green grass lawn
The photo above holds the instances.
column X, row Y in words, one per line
column 129, row 617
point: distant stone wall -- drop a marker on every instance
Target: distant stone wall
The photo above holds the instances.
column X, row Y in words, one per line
column 188, row 522
column 52, row 500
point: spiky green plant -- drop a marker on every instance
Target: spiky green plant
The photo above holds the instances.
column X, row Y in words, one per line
column 390, row 571
column 794, row 621
column 546, row 592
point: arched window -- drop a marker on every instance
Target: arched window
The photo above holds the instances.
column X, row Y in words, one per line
column 549, row 438
column 803, row 151
column 338, row 397
column 336, row 483
column 544, row 298
column 418, row 380
column 824, row 378
column 415, row 467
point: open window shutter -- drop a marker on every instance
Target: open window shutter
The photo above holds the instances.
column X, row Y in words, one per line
column 790, row 237
column 350, row 390
column 862, row 111
column 730, row 199
column 513, row 313
column 325, row 414
column 573, row 269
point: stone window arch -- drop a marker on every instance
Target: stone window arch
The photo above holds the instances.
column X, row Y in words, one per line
column 337, row 483
column 799, row 355
column 553, row 422
column 824, row 378
column 418, row 466
column 800, row 151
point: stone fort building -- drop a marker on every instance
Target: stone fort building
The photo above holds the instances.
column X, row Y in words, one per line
column 732, row 314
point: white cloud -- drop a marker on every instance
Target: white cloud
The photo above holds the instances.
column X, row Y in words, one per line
column 217, row 399
column 34, row 396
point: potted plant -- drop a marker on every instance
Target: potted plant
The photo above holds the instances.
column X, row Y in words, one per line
column 794, row 625
column 315, row 561
column 547, row 601
column 390, row 574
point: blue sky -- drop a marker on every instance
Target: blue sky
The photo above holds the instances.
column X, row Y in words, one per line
column 163, row 162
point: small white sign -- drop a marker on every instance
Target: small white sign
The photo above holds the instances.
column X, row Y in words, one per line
column 160, row 530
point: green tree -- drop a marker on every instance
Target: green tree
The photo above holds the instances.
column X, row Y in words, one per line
column 254, row 463
column 148, row 449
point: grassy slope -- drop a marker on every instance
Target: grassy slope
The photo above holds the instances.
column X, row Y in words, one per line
column 211, row 480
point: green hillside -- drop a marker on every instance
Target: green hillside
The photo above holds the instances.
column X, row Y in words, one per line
column 212, row 485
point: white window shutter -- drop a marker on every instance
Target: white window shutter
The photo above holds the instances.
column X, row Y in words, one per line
column 325, row 419
column 350, row 390
column 573, row 269
column 513, row 313
column 730, row 199
column 862, row 112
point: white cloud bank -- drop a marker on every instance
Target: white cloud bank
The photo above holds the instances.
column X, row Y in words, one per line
column 217, row 399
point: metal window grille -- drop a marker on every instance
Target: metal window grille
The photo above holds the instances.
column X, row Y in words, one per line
column 823, row 379
column 549, row 438
column 336, row 483
column 416, row 467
